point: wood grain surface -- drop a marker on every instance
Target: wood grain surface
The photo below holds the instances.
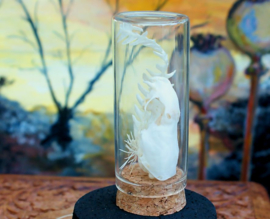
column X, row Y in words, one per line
column 45, row 197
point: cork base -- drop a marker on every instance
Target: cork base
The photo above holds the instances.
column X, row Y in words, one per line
column 152, row 197
column 151, row 206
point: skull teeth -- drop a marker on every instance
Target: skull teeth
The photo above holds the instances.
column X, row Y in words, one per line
column 152, row 73
column 150, row 84
column 138, row 112
column 136, row 122
column 143, row 90
column 161, row 68
column 140, row 100
column 169, row 75
column 146, row 77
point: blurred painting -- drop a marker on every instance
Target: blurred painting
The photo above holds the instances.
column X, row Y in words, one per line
column 56, row 87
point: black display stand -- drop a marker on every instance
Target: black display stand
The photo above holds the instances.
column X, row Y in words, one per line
column 100, row 204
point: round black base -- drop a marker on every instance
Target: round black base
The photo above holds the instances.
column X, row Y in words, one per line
column 100, row 204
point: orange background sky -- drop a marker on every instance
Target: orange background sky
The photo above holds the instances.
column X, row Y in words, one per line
column 90, row 23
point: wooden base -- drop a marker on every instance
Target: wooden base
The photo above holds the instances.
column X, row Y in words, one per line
column 151, row 206
column 101, row 204
column 152, row 197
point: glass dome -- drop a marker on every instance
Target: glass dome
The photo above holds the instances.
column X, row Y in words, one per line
column 151, row 102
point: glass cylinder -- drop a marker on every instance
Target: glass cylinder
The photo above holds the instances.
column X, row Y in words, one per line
column 151, row 102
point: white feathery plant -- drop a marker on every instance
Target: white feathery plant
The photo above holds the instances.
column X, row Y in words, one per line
column 132, row 152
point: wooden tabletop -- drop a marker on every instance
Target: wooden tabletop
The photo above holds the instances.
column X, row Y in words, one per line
column 45, row 197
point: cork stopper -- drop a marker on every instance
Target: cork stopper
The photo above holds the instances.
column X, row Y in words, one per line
column 152, row 197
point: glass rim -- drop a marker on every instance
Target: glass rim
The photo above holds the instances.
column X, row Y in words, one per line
column 151, row 18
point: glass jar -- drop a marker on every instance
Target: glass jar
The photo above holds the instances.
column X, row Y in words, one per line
column 151, row 102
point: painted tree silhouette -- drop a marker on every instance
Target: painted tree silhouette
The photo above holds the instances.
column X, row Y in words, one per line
column 4, row 82
column 60, row 129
